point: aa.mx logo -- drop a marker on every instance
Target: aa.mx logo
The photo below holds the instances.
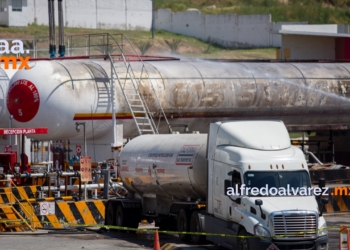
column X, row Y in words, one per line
column 15, row 48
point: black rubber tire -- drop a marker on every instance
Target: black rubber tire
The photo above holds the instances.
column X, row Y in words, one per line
column 120, row 219
column 183, row 225
column 133, row 216
column 110, row 212
column 196, row 227
column 243, row 243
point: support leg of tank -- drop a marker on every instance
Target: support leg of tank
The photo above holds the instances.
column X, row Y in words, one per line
column 183, row 225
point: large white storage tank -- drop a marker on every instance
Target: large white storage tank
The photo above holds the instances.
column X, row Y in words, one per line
column 194, row 93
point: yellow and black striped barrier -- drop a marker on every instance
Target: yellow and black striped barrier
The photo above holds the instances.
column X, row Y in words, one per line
column 338, row 201
column 65, row 213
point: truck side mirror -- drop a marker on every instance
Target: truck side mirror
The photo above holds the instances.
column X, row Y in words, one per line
column 228, row 184
column 259, row 203
column 322, row 182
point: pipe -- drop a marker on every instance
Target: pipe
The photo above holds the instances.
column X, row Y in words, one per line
column 313, row 156
column 52, row 49
column 29, row 175
column 62, row 198
column 61, row 46
column 75, row 187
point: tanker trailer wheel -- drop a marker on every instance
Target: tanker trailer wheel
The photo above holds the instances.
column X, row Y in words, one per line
column 110, row 214
column 243, row 242
column 183, row 225
column 196, row 227
column 120, row 218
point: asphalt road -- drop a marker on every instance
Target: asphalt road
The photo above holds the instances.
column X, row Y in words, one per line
column 105, row 240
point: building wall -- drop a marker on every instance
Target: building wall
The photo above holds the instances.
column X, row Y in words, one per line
column 342, row 48
column 308, row 47
column 104, row 14
column 318, row 28
column 4, row 14
column 18, row 18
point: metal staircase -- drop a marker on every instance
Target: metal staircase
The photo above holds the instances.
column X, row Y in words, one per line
column 10, row 218
column 124, row 74
column 130, row 89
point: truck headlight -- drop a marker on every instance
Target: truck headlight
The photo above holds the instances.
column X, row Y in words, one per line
column 323, row 230
column 261, row 231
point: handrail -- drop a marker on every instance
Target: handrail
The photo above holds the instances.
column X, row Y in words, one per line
column 144, row 69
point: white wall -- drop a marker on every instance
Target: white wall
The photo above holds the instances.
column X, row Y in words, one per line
column 309, row 47
column 104, row 14
column 253, row 31
column 233, row 31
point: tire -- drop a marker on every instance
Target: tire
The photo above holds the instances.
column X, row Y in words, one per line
column 243, row 243
column 110, row 221
column 183, row 225
column 133, row 216
column 196, row 227
column 120, row 219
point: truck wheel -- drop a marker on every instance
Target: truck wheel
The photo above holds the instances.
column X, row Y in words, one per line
column 243, row 243
column 183, row 225
column 120, row 216
column 196, row 226
column 110, row 215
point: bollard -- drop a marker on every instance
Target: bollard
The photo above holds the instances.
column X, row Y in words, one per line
column 344, row 236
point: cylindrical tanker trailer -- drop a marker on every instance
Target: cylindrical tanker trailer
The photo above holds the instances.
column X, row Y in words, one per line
column 241, row 186
column 168, row 176
column 56, row 94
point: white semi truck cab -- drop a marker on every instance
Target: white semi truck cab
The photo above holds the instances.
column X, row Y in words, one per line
column 243, row 180
column 259, row 186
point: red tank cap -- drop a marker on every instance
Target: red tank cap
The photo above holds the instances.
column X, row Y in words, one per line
column 23, row 100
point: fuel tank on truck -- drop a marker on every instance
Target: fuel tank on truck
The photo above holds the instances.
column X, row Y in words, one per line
column 172, row 166
column 57, row 94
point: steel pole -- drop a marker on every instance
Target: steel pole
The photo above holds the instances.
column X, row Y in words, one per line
column 113, row 106
column 85, row 148
column 152, row 19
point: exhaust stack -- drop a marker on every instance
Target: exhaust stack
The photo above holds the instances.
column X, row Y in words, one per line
column 52, row 33
column 61, row 47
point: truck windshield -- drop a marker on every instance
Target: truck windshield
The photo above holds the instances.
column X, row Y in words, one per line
column 291, row 181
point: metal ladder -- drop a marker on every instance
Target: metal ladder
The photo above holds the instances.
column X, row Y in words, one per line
column 129, row 85
column 130, row 89
column 103, row 94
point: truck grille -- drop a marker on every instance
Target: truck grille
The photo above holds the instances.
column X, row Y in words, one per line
column 294, row 225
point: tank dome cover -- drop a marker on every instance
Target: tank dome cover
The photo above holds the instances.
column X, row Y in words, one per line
column 260, row 135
